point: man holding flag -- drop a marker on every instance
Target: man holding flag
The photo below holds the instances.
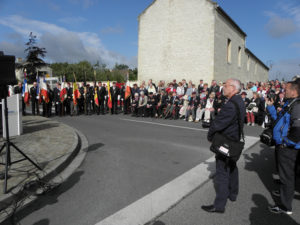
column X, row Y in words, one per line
column 127, row 96
column 44, row 97
column 109, row 101
column 76, row 96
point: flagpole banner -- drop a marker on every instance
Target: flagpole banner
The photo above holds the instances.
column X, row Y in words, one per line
column 109, row 102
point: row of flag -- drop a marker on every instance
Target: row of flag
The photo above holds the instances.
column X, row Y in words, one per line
column 42, row 91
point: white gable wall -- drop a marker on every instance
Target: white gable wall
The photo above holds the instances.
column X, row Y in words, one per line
column 176, row 41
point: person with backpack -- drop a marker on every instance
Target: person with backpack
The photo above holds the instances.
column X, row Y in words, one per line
column 287, row 139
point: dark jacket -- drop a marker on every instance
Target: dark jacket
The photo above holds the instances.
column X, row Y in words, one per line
column 33, row 93
column 226, row 121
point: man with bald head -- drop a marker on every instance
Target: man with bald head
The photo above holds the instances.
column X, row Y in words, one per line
column 227, row 123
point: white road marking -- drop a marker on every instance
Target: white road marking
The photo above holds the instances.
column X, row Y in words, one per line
column 165, row 125
column 160, row 200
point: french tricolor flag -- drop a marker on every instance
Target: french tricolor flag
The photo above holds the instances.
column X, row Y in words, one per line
column 25, row 92
column 44, row 91
column 63, row 92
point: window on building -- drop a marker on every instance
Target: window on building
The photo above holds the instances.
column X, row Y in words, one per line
column 240, row 57
column 248, row 63
column 229, row 51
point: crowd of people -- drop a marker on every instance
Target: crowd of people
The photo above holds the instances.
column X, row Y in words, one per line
column 267, row 104
column 174, row 100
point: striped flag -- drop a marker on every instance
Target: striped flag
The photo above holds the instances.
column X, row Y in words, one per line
column 25, row 92
column 44, row 91
column 96, row 96
column 127, row 91
column 63, row 92
column 109, row 102
column 10, row 91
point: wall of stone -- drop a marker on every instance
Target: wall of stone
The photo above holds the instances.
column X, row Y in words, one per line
column 176, row 40
column 224, row 69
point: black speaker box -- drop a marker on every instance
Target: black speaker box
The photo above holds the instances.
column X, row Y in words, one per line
column 7, row 70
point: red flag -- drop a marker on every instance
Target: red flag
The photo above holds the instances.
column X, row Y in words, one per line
column 63, row 92
column 96, row 97
column 127, row 91
column 44, row 91
column 76, row 93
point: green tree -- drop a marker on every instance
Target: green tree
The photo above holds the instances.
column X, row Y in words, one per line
column 34, row 57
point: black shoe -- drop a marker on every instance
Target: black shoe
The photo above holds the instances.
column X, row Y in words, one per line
column 232, row 199
column 211, row 209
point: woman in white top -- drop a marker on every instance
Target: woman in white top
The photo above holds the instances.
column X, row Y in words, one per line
column 152, row 89
column 180, row 90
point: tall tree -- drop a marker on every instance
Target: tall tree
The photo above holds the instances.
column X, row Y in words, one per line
column 34, row 57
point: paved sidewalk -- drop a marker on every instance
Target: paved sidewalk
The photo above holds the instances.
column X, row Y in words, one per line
column 52, row 145
column 256, row 183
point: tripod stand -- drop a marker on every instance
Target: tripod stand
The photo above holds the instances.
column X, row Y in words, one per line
column 8, row 144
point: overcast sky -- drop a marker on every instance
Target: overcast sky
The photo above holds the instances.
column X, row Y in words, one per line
column 73, row 30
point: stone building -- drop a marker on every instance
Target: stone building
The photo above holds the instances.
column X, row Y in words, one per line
column 194, row 39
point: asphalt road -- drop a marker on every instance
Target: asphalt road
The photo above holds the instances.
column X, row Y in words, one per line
column 126, row 160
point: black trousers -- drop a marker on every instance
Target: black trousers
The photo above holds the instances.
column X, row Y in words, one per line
column 226, row 182
column 126, row 105
column 35, row 106
column 23, row 107
column 286, row 164
column 114, row 109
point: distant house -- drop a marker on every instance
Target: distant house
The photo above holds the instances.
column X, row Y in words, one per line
column 194, row 39
column 44, row 71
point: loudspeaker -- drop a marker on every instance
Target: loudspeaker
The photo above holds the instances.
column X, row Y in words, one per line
column 7, row 70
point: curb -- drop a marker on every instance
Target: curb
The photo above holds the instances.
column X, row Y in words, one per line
column 56, row 176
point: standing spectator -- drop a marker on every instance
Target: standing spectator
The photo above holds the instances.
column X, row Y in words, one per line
column 18, row 90
column 114, row 91
column 34, row 99
column 226, row 178
column 286, row 136
column 210, row 108
column 214, row 87
column 252, row 109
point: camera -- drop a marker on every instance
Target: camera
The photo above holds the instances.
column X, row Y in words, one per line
column 271, row 96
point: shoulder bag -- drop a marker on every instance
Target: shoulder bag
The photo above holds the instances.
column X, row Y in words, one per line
column 225, row 146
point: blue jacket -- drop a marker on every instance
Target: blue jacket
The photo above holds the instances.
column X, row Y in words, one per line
column 287, row 129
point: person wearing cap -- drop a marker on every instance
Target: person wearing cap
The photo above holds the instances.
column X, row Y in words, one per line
column 151, row 105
